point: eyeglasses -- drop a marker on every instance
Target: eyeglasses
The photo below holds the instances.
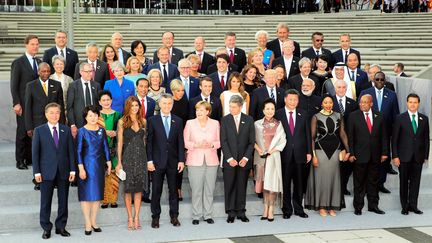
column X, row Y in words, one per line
column 380, row 79
column 85, row 71
column 185, row 67
column 319, row 40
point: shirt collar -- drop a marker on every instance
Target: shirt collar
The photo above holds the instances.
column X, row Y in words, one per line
column 287, row 110
column 140, row 98
column 369, row 112
column 29, row 56
column 410, row 114
column 162, row 114
column 83, row 81
column 51, row 126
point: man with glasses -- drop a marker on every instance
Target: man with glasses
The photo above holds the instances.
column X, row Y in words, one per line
column 316, row 49
column 190, row 83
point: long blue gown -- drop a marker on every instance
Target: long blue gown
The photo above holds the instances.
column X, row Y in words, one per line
column 93, row 152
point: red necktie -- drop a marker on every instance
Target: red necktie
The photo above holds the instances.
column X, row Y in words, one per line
column 222, row 82
column 143, row 107
column 231, row 56
column 368, row 122
column 291, row 123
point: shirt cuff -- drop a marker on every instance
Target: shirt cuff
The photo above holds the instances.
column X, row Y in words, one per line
column 228, row 160
column 246, row 159
column 37, row 174
column 150, row 162
column 72, row 173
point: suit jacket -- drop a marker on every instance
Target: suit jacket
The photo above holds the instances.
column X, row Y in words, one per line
column 76, row 101
column 194, row 89
column 231, row 68
column 102, row 73
column 275, row 47
column 294, row 66
column 215, row 102
column 172, row 72
column 368, row 85
column 338, row 56
column 295, row 82
column 350, row 106
column 310, row 104
column 239, row 144
column 165, row 152
column 176, row 56
column 36, row 100
column 299, row 144
column 193, row 134
column 239, row 58
column 363, row 145
column 126, row 56
column 361, row 78
column 257, row 101
column 389, row 106
column 207, row 60
column 217, row 89
column 21, row 74
column 71, row 60
column 311, row 54
column 403, row 74
column 405, row 144
column 150, row 107
column 49, row 160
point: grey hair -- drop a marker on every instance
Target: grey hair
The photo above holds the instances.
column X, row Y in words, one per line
column 116, row 65
column 236, row 99
column 60, row 31
column 261, row 32
column 340, row 81
column 303, row 61
column 166, row 96
column 91, row 44
column 82, row 65
column 375, row 65
column 310, row 80
column 58, row 57
column 184, row 61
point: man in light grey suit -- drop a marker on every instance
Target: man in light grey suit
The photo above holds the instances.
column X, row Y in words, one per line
column 81, row 93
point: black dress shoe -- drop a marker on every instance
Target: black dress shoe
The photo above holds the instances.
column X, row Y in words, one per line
column 175, row 222
column 392, row 171
column 21, row 165
column 28, row 162
column 416, row 210
column 260, row 195
column 37, row 187
column 347, row 193
column 104, row 206
column 376, row 210
column 46, row 234
column 358, row 212
column 62, row 232
column 383, row 189
column 243, row 218
column 302, row 215
column 98, row 230
column 155, row 223
column 195, row 221
column 114, row 205
column 209, row 221
column 87, row 232
column 146, row 200
column 404, row 212
column 263, row 218
column 230, row 219
column 286, row 216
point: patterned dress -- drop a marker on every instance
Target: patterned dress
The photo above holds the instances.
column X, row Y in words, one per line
column 134, row 160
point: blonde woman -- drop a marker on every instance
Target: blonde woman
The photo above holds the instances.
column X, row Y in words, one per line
column 134, row 69
column 256, row 57
column 155, row 90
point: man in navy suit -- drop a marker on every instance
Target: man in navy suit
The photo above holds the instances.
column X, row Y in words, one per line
column 297, row 152
column 206, row 85
column 166, row 156
column 288, row 60
column 282, row 32
column 220, row 77
column 191, row 84
column 70, row 56
column 316, row 49
column 236, row 55
column 268, row 91
column 342, row 54
column 385, row 101
column 174, row 54
column 213, row 67
column 206, row 59
column 53, row 166
column 410, row 141
column 169, row 71
column 147, row 104
column 357, row 75
column 117, row 43
column 100, row 72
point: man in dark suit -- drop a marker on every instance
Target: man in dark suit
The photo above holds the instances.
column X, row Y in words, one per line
column 345, row 106
column 169, row 71
column 23, row 71
column 236, row 55
column 308, row 101
column 367, row 138
column 385, row 101
column 296, row 81
column 166, row 156
column 174, row 54
column 70, row 56
column 191, row 84
column 213, row 67
column 38, row 94
column 357, row 75
column 342, row 54
column 147, row 104
column 263, row 93
column 373, row 69
column 296, row 154
column 206, row 59
column 206, row 85
column 316, row 49
column 81, row 93
column 398, row 69
column 282, row 32
column 288, row 60
column 237, row 142
column 99, row 69
column 220, row 77
column 53, row 166
column 410, row 149
column 117, row 43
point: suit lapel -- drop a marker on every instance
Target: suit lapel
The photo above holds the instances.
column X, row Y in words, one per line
column 81, row 91
column 50, row 137
column 374, row 119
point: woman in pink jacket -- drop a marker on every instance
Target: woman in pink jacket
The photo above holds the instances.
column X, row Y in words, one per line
column 201, row 137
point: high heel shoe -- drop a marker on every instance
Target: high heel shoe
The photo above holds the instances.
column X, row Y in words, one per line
column 130, row 224
column 104, row 206
column 96, row 229
column 263, row 218
column 114, row 205
column 137, row 224
column 87, row 232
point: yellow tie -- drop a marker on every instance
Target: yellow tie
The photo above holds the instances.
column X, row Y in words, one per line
column 45, row 88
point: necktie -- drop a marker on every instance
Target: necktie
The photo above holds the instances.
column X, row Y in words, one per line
column 368, row 122
column 317, row 52
column 341, row 108
column 222, row 82
column 379, row 100
column 237, row 123
column 143, row 107
column 206, row 99
column 200, row 56
column 414, row 124
column 165, row 75
column 291, row 123
column 352, row 76
column 186, row 86
column 231, row 56
column 44, row 86
column 93, row 70
column 346, row 57
column 87, row 94
column 166, row 126
column 170, row 56
column 62, row 53
column 35, row 66
column 55, row 136
column 272, row 96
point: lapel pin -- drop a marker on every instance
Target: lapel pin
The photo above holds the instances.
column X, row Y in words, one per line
column 358, row 75
column 211, row 102
column 51, row 86
column 93, row 87
column 172, row 121
column 421, row 118
column 375, row 115
column 61, row 130
column 127, row 91
column 242, row 122
column 298, row 114
column 68, row 52
column 173, row 54
column 385, row 96
column 192, row 81
column 98, row 67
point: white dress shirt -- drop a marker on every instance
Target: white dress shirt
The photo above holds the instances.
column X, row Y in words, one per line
column 59, row 52
column 294, row 115
column 343, row 101
column 416, row 116
column 287, row 62
column 370, row 114
column 83, row 82
column 30, row 59
column 225, row 77
column 274, row 92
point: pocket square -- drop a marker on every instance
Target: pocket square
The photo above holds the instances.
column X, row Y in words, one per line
column 51, row 86
column 242, row 122
column 421, row 118
column 61, row 130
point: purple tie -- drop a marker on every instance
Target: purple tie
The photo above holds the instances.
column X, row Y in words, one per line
column 55, row 136
column 291, row 123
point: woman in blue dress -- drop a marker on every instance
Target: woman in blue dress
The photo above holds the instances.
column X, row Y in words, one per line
column 261, row 37
column 93, row 155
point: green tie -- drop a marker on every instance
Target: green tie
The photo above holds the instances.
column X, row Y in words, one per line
column 414, row 124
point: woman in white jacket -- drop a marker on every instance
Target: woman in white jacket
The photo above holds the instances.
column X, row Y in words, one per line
column 270, row 140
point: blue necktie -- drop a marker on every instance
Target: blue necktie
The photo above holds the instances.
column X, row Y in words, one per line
column 186, row 87
column 352, row 76
column 35, row 66
column 272, row 96
column 379, row 100
column 166, row 126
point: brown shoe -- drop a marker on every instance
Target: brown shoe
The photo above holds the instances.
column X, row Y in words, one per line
column 155, row 223
column 175, row 222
